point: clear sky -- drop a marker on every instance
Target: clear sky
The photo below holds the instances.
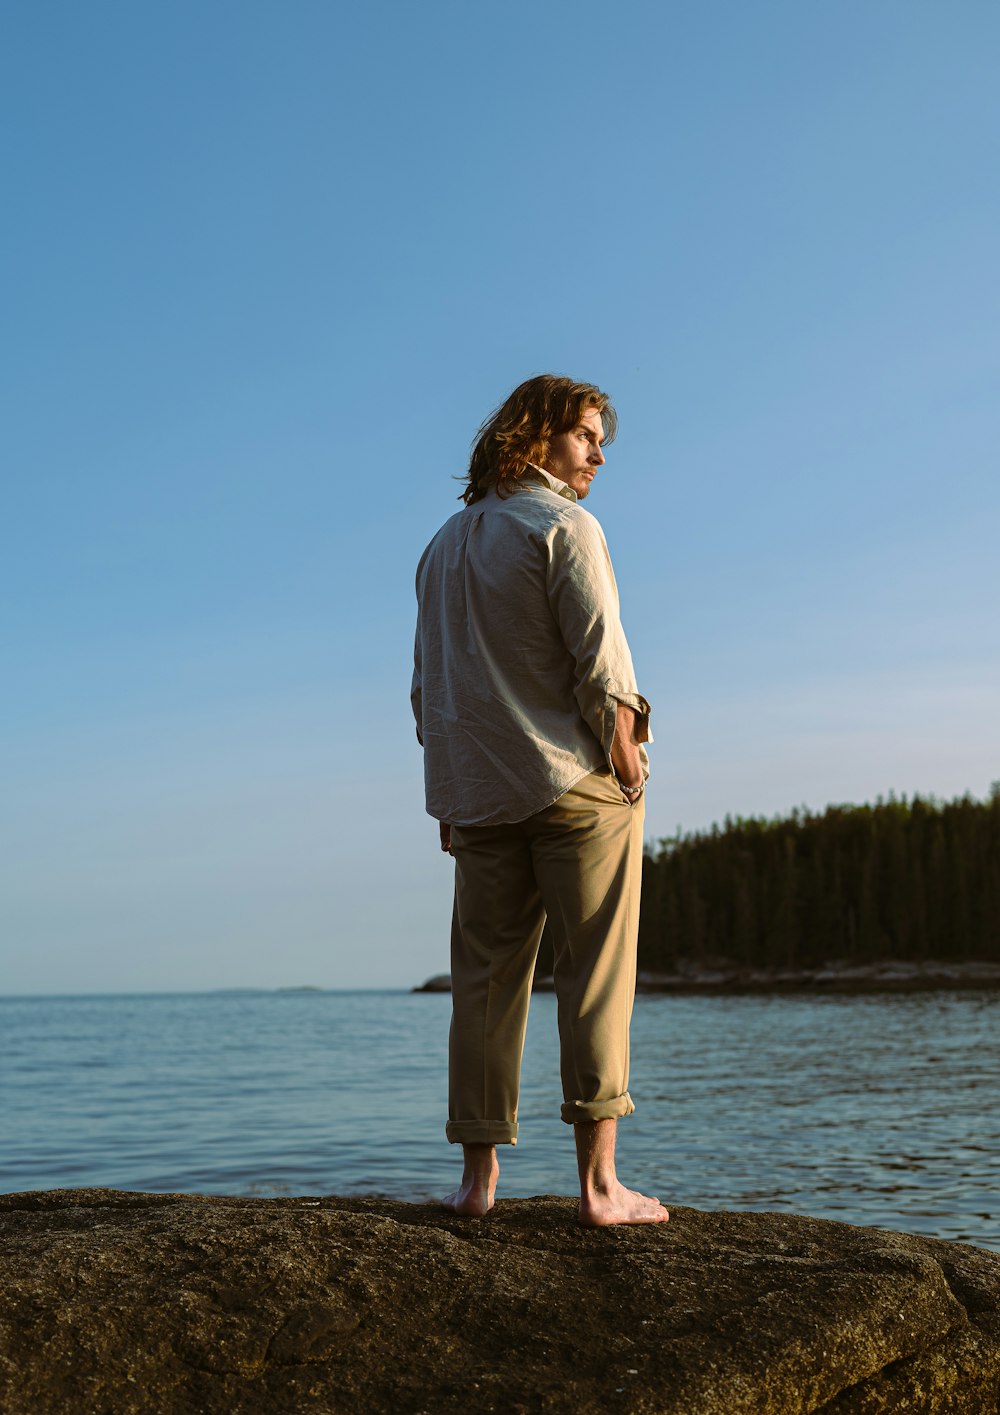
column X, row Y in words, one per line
column 267, row 266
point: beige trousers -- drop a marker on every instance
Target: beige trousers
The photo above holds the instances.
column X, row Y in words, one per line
column 579, row 861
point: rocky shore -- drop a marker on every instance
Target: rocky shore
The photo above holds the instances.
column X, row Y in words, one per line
column 725, row 977
column 136, row 1304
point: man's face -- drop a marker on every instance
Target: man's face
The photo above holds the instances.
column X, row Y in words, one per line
column 575, row 456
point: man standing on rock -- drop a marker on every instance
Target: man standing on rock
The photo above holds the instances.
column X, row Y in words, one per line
column 531, row 723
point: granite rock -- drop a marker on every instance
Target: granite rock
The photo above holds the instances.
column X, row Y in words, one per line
column 136, row 1304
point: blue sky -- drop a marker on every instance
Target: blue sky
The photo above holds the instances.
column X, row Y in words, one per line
column 267, row 267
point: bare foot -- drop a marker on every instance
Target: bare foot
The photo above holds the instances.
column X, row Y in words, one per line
column 619, row 1205
column 603, row 1199
column 475, row 1196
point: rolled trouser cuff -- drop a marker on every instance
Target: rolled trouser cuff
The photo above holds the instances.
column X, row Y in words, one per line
column 481, row 1132
column 574, row 1112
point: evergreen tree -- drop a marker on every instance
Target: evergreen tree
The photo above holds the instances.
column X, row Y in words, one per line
column 908, row 880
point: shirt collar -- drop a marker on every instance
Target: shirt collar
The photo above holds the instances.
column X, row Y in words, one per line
column 553, row 483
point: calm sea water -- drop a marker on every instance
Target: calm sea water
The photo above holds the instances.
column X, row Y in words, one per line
column 874, row 1110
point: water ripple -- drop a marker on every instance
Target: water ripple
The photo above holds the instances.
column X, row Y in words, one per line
column 871, row 1110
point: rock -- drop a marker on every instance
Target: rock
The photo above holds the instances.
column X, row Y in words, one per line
column 886, row 975
column 441, row 982
column 141, row 1304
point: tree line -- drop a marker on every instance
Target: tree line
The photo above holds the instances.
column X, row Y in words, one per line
column 901, row 879
column 917, row 879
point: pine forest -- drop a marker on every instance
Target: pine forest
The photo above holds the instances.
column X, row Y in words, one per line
column 901, row 879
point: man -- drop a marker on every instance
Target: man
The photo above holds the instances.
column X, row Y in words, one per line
column 532, row 725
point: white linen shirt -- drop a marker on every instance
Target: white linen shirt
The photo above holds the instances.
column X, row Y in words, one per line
column 520, row 658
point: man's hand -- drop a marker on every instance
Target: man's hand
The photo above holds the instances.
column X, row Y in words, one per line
column 625, row 756
column 445, row 830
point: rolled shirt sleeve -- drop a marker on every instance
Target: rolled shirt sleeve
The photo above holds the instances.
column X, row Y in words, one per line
column 583, row 594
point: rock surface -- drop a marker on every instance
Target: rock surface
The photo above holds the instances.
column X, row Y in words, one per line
column 137, row 1304
column 885, row 975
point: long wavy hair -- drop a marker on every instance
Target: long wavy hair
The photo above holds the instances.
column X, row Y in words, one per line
column 518, row 432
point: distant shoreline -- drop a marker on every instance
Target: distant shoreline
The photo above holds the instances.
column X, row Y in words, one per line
column 888, row 976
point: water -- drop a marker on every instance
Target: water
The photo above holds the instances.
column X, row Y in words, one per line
column 873, row 1110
